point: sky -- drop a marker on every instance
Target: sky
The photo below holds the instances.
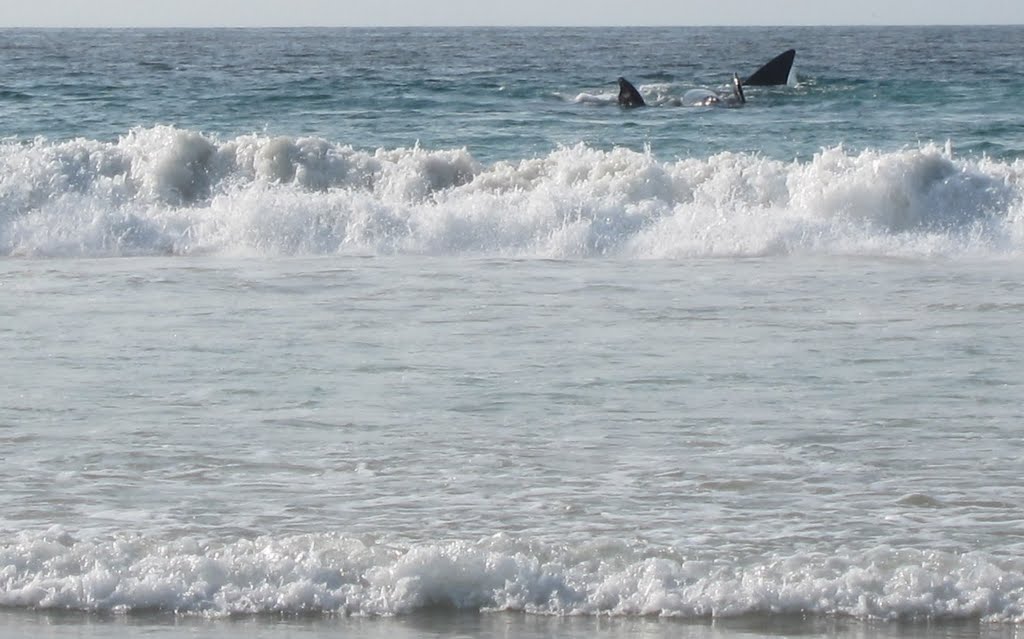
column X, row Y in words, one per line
column 339, row 13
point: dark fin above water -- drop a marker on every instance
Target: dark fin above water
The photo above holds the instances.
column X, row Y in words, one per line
column 737, row 88
column 775, row 72
column 628, row 95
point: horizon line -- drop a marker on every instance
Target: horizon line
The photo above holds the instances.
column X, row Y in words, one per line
column 512, row 26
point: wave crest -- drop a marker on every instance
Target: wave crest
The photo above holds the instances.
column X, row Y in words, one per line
column 338, row 575
column 170, row 191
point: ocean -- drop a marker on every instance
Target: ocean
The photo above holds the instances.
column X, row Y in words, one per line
column 416, row 332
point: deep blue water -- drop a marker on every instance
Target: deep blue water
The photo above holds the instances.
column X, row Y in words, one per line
column 514, row 93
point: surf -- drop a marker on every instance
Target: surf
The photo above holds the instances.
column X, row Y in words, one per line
column 336, row 575
column 169, row 191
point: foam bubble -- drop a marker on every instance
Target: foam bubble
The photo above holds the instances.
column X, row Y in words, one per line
column 170, row 191
column 331, row 574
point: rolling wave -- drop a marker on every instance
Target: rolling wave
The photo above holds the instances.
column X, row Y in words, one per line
column 329, row 574
column 164, row 190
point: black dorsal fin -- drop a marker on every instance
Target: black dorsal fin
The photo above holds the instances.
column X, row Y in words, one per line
column 628, row 95
column 775, row 72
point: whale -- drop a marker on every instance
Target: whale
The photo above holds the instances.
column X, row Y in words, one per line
column 774, row 72
column 709, row 97
column 629, row 97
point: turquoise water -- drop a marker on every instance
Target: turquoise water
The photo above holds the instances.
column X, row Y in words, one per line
column 512, row 93
column 508, row 142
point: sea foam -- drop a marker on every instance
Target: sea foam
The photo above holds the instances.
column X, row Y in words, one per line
column 165, row 190
column 329, row 574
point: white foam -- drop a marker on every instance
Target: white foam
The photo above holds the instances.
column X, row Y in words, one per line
column 338, row 575
column 170, row 191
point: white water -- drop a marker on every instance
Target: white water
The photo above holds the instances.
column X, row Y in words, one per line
column 325, row 573
column 165, row 191
column 376, row 436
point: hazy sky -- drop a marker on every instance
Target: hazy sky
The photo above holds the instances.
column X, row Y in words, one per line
column 198, row 13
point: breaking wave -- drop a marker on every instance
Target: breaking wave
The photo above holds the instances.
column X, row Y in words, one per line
column 348, row 576
column 164, row 190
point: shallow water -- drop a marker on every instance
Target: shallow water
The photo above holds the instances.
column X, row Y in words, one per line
column 492, row 626
column 561, row 369
column 376, row 435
